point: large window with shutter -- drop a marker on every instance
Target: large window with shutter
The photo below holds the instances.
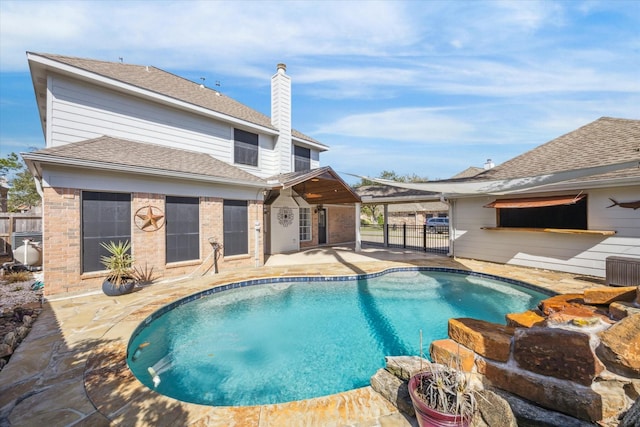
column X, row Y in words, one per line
column 182, row 228
column 105, row 217
column 236, row 224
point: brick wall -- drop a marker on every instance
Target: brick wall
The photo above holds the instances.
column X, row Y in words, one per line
column 62, row 241
column 341, row 224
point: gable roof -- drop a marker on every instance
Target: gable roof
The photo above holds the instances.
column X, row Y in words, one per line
column 602, row 142
column 602, row 153
column 316, row 186
column 120, row 154
column 164, row 83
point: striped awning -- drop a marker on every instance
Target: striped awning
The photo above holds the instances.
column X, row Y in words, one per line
column 535, row 202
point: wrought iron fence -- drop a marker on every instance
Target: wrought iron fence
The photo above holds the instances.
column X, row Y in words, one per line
column 418, row 237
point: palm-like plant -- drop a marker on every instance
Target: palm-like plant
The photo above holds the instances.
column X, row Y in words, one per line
column 118, row 262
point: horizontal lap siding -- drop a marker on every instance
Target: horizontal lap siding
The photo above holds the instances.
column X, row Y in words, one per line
column 82, row 112
column 576, row 253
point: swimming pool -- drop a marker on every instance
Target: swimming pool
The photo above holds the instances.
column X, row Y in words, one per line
column 283, row 339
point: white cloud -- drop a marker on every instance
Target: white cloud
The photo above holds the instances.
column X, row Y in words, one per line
column 404, row 124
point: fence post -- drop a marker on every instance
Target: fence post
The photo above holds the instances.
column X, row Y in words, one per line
column 424, row 237
column 404, row 235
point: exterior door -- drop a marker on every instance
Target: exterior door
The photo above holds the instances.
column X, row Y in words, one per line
column 322, row 226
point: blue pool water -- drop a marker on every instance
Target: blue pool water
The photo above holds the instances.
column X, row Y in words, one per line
column 284, row 341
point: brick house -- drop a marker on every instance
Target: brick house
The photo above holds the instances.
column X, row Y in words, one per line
column 136, row 153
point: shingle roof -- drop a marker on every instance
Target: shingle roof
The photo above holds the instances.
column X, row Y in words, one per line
column 602, row 142
column 168, row 84
column 118, row 152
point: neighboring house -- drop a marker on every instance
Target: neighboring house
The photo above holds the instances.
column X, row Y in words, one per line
column 136, row 153
column 411, row 207
column 570, row 226
column 402, row 206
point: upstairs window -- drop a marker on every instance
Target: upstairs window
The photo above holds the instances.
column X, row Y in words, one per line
column 301, row 159
column 245, row 151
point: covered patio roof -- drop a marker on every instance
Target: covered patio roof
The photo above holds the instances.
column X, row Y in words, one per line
column 321, row 186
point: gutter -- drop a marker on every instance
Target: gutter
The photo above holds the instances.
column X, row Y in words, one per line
column 138, row 170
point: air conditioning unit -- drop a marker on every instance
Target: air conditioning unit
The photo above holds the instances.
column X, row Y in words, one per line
column 622, row 271
column 18, row 236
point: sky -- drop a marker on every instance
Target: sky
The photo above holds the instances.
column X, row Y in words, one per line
column 426, row 88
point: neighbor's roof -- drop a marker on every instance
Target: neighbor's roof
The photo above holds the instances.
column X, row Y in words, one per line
column 171, row 85
column 602, row 142
column 120, row 154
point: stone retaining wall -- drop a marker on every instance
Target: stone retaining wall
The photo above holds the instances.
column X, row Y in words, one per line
column 578, row 354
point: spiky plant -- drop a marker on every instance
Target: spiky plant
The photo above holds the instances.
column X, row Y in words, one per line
column 447, row 390
column 118, row 262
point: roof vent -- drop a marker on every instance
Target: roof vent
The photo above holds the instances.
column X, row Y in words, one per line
column 488, row 164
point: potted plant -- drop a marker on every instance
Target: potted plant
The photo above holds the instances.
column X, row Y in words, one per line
column 442, row 395
column 119, row 263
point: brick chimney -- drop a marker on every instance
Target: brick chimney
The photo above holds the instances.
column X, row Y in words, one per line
column 281, row 116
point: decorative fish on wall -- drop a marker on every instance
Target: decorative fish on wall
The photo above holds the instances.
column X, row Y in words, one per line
column 628, row 205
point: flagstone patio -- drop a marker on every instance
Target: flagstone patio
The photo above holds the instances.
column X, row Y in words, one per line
column 71, row 368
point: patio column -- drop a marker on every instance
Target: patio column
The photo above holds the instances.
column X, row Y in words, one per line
column 358, row 237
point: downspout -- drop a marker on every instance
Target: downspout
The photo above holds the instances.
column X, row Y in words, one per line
column 256, row 226
column 39, row 188
column 358, row 247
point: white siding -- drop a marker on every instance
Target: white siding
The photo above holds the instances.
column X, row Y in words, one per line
column 86, row 179
column 575, row 253
column 80, row 112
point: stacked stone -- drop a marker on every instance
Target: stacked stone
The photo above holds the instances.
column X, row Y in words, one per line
column 15, row 325
column 392, row 383
column 578, row 354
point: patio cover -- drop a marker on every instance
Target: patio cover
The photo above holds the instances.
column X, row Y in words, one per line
column 321, row 186
column 470, row 187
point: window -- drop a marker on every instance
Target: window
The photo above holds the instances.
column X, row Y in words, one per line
column 245, row 147
column 301, row 159
column 236, row 233
column 305, row 224
column 105, row 217
column 182, row 228
column 571, row 215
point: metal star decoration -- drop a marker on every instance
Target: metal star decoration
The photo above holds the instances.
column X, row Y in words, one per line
column 149, row 218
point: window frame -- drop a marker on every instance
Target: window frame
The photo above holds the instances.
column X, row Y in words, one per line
column 180, row 229
column 561, row 217
column 91, row 249
column 305, row 229
column 246, row 148
column 301, row 161
column 235, row 215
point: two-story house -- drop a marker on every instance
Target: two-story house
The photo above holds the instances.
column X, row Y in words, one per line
column 135, row 153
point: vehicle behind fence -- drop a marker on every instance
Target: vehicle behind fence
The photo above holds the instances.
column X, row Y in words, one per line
column 417, row 237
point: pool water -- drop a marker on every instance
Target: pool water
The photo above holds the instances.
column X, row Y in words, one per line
column 285, row 341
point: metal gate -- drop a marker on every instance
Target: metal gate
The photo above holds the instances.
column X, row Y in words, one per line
column 417, row 237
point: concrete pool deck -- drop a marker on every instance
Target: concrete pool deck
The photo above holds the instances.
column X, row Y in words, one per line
column 71, row 369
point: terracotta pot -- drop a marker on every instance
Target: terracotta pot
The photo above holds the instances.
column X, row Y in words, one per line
column 427, row 416
column 113, row 290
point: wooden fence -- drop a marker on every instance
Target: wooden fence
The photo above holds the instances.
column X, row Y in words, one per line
column 16, row 223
